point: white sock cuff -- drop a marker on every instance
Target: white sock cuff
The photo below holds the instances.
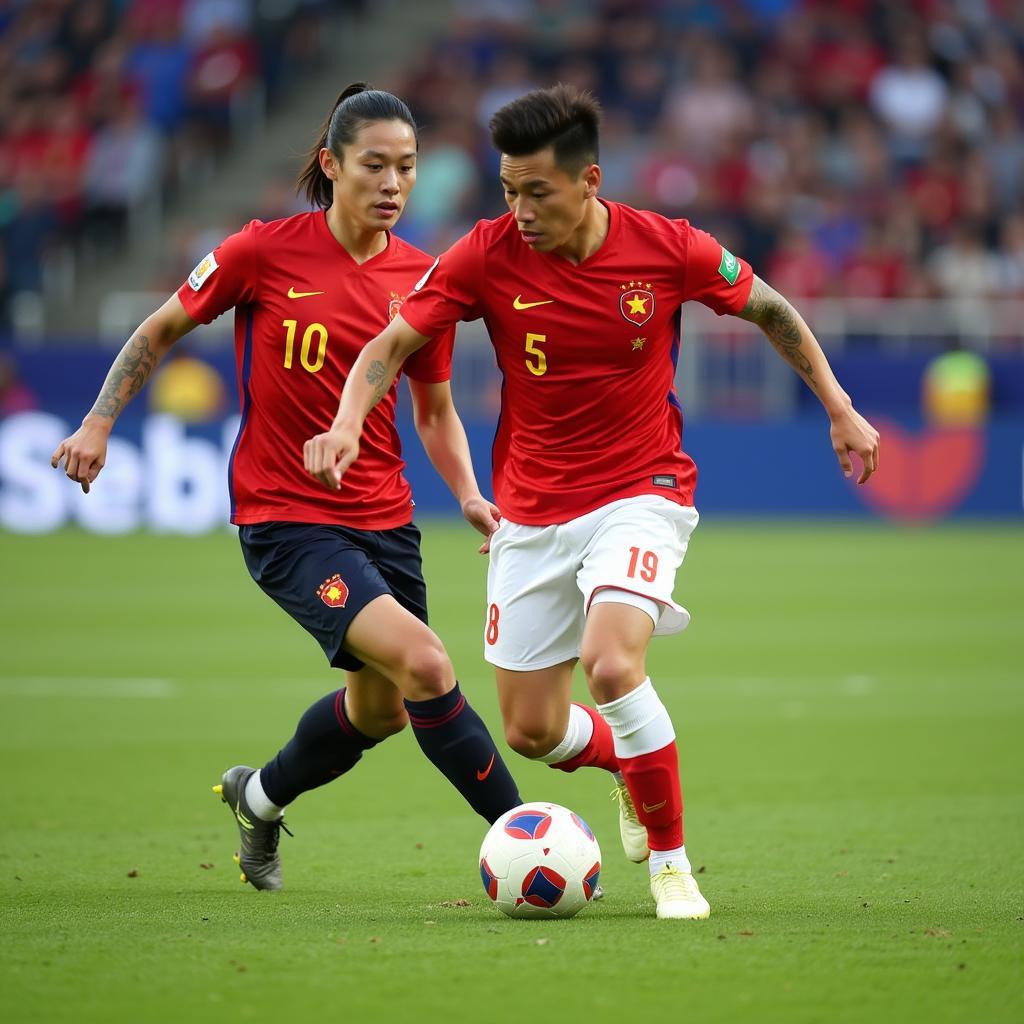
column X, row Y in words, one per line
column 639, row 721
column 677, row 858
column 259, row 803
column 577, row 735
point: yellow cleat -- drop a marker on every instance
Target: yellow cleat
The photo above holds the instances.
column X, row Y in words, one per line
column 677, row 896
column 234, row 857
column 242, row 878
column 632, row 833
column 219, row 790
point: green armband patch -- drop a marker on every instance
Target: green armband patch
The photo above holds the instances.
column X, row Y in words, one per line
column 729, row 268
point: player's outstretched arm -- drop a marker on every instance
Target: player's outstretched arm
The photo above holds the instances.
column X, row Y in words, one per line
column 328, row 455
column 85, row 451
column 793, row 340
column 444, row 438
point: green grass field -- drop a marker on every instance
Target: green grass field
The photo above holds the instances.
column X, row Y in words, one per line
column 850, row 704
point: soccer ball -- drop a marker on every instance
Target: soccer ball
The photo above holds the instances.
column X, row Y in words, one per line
column 540, row 860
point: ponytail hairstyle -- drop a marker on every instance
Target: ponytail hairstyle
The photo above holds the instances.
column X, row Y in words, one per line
column 357, row 106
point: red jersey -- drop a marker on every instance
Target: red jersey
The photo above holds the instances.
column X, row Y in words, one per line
column 304, row 309
column 588, row 353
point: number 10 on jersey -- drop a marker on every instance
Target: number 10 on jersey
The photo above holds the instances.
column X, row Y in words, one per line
column 313, row 334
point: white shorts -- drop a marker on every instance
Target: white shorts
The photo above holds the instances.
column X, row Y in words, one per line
column 542, row 580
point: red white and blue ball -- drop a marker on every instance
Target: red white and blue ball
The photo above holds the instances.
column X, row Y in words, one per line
column 540, row 860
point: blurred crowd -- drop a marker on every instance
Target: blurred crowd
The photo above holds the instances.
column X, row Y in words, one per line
column 847, row 148
column 109, row 105
column 844, row 147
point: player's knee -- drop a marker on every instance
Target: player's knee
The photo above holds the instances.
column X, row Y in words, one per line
column 611, row 674
column 427, row 671
column 530, row 742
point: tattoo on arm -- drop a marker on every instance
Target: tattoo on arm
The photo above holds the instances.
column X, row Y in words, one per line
column 377, row 377
column 777, row 318
column 130, row 371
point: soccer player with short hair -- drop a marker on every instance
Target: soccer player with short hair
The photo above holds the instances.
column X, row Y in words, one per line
column 582, row 300
column 307, row 291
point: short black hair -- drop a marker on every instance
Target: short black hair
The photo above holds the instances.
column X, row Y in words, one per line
column 357, row 106
column 563, row 117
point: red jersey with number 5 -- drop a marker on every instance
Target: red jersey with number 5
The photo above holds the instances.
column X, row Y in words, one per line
column 588, row 354
column 304, row 309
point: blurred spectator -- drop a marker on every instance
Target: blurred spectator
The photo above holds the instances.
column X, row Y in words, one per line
column 798, row 268
column 15, row 394
column 963, row 268
column 910, row 96
column 122, row 171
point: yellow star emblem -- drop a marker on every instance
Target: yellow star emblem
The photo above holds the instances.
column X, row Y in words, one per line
column 638, row 306
column 334, row 593
column 638, row 343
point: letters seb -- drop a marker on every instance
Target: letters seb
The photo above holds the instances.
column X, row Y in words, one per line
column 167, row 481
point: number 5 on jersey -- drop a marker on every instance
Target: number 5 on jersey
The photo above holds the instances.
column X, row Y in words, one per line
column 313, row 332
column 536, row 359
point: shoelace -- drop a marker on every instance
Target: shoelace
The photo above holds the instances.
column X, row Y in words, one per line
column 270, row 837
column 621, row 794
column 677, row 884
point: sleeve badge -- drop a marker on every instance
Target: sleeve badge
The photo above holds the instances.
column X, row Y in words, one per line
column 204, row 268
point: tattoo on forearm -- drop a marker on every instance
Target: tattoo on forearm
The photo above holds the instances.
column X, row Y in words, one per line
column 377, row 377
column 777, row 318
column 130, row 371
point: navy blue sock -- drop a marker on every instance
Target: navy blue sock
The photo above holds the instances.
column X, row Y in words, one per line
column 325, row 745
column 452, row 735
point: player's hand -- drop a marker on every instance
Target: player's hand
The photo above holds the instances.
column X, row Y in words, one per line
column 85, row 451
column 852, row 433
column 328, row 456
column 483, row 516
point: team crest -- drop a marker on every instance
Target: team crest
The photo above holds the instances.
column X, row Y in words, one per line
column 636, row 303
column 395, row 305
column 333, row 591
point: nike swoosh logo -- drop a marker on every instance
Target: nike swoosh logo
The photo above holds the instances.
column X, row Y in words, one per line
column 481, row 775
column 293, row 294
column 517, row 303
column 651, row 808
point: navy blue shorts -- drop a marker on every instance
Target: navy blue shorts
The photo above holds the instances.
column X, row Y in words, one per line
column 323, row 576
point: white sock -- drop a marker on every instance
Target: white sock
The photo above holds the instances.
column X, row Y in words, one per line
column 259, row 803
column 639, row 722
column 577, row 735
column 677, row 858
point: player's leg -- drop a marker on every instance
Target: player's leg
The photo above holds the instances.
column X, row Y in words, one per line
column 628, row 586
column 321, row 576
column 392, row 635
column 531, row 636
column 451, row 734
column 329, row 741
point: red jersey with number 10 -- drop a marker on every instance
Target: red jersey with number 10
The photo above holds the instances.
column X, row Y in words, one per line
column 304, row 309
column 588, row 353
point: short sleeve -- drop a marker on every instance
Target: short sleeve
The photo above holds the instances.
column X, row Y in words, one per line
column 225, row 278
column 447, row 292
column 712, row 275
column 432, row 364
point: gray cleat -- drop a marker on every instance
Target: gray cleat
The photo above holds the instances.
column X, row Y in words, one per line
column 257, row 855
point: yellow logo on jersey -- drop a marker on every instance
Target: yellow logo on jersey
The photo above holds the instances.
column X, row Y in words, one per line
column 293, row 294
column 517, row 303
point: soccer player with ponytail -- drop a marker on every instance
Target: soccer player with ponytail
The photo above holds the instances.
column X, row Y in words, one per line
column 307, row 292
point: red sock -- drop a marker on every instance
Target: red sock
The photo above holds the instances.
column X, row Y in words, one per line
column 653, row 783
column 598, row 753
